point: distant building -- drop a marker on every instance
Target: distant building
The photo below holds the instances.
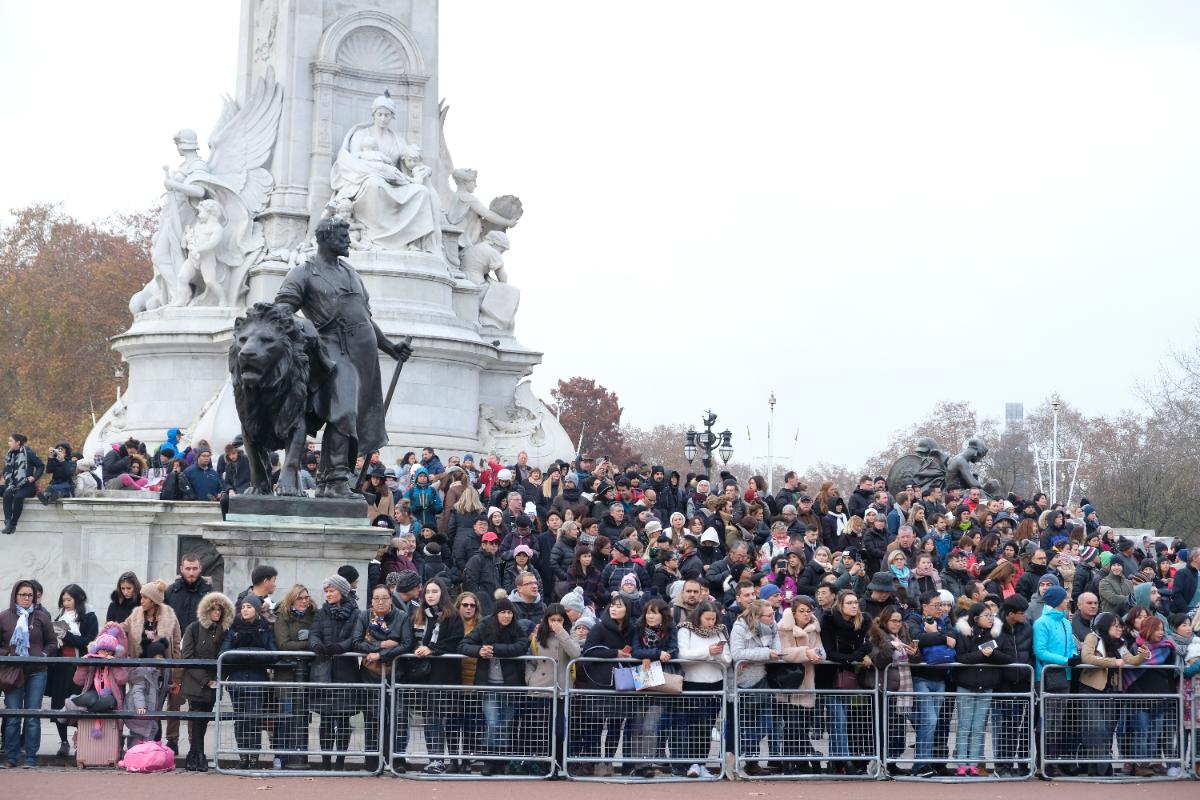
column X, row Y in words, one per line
column 1014, row 413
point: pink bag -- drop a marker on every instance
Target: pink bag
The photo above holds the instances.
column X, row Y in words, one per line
column 148, row 757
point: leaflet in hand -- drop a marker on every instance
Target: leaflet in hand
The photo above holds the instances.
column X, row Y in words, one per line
column 647, row 677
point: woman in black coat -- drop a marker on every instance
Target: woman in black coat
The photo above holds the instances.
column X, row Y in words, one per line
column 610, row 638
column 844, row 635
column 125, row 598
column 333, row 634
column 249, row 632
column 437, row 633
column 495, row 643
column 77, row 625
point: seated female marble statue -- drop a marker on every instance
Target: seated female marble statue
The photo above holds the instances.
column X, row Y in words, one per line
column 396, row 210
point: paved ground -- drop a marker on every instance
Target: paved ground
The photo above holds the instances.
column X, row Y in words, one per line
column 58, row 783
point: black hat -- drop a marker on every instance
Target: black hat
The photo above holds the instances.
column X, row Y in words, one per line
column 348, row 572
column 622, row 547
column 884, row 582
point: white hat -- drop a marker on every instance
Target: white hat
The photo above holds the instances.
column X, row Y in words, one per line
column 530, row 508
column 504, row 475
column 710, row 535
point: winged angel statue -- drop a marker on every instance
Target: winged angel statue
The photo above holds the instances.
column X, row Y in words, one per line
column 208, row 236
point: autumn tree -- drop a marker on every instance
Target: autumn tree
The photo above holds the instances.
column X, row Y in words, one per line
column 591, row 416
column 64, row 291
column 661, row 444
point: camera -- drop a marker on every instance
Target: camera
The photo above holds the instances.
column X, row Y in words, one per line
column 930, row 620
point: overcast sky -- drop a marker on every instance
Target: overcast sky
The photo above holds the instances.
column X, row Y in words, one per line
column 866, row 208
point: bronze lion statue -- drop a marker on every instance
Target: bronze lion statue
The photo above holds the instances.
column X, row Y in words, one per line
column 269, row 363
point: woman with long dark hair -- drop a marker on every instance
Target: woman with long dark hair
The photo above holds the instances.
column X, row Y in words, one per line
column 611, row 638
column 124, row 597
column 654, row 641
column 496, row 643
column 844, row 631
column 437, row 632
column 76, row 626
column 1104, row 647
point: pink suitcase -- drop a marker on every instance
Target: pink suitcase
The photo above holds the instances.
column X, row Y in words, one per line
column 104, row 751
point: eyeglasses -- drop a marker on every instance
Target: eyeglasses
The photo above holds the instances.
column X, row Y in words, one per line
column 25, row 594
column 467, row 605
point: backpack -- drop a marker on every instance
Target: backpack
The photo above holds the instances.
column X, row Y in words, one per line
column 939, row 654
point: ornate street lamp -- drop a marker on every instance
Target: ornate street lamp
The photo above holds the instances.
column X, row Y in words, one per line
column 706, row 443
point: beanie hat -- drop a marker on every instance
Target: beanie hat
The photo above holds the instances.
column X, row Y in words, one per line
column 106, row 641
column 653, row 526
column 1054, row 596
column 630, row 579
column 768, row 591
column 586, row 622
column 1105, row 558
column 1087, row 554
column 156, row 591
column 348, row 572
column 155, row 649
column 337, row 582
column 407, row 581
column 573, row 600
column 504, row 475
column 1049, row 578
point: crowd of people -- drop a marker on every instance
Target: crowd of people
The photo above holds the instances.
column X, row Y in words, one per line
column 950, row 595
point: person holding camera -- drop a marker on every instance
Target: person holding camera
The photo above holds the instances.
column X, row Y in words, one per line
column 61, row 469
column 22, row 469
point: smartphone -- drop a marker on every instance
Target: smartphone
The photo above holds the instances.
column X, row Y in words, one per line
column 989, row 643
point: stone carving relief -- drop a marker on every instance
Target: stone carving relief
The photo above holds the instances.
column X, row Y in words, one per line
column 266, row 16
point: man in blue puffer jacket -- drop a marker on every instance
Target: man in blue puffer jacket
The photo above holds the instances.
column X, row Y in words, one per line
column 424, row 498
column 1053, row 644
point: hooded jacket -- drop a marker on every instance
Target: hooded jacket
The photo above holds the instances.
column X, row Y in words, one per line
column 425, row 501
column 1053, row 642
column 202, row 640
column 1115, row 592
column 983, row 674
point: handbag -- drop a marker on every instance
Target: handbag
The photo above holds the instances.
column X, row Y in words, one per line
column 12, row 677
column 623, row 679
column 845, row 679
column 1055, row 681
column 672, row 684
column 417, row 669
column 866, row 677
column 785, row 676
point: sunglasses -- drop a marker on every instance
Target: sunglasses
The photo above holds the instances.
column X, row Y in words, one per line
column 467, row 605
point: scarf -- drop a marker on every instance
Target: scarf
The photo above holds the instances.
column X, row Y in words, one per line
column 18, row 465
column 378, row 628
column 1161, row 652
column 72, row 620
column 20, row 636
column 902, row 574
column 904, row 699
column 652, row 636
column 718, row 630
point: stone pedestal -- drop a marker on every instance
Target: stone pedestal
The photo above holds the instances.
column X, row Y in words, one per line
column 274, row 511
column 306, row 554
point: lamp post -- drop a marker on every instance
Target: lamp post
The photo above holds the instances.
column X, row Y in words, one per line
column 770, row 446
column 1055, row 403
column 706, row 442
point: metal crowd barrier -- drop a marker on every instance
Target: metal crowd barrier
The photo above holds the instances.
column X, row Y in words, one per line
column 469, row 731
column 642, row 736
column 70, row 716
column 1000, row 726
column 350, row 718
column 792, row 731
column 1195, row 737
column 1094, row 734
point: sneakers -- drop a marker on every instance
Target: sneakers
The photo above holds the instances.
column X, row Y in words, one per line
column 974, row 771
column 1174, row 772
column 924, row 771
column 64, row 750
column 276, row 763
column 704, row 773
column 961, row 772
column 435, row 768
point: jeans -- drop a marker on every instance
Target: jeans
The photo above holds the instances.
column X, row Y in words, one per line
column 1149, row 721
column 27, row 729
column 14, row 501
column 972, row 717
column 756, row 721
column 925, row 716
column 839, row 739
column 499, row 708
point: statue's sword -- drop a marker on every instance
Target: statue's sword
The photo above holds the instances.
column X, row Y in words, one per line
column 387, row 402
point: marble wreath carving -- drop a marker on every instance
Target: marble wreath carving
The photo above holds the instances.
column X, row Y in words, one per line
column 208, row 237
column 292, row 376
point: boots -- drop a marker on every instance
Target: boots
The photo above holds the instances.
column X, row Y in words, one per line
column 326, row 763
column 201, row 762
column 190, row 763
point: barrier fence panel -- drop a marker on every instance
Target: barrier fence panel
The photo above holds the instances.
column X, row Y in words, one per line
column 307, row 727
column 930, row 724
column 642, row 735
column 1193, row 716
column 452, row 730
column 825, row 733
column 1115, row 736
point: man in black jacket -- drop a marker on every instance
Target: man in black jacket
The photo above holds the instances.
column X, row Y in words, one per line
column 861, row 498
column 22, row 468
column 183, row 596
column 482, row 574
column 933, row 631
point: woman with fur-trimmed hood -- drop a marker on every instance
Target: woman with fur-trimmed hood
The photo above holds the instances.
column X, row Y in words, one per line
column 203, row 640
column 153, row 619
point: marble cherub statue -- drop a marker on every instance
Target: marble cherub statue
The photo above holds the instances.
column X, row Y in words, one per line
column 468, row 213
column 203, row 239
